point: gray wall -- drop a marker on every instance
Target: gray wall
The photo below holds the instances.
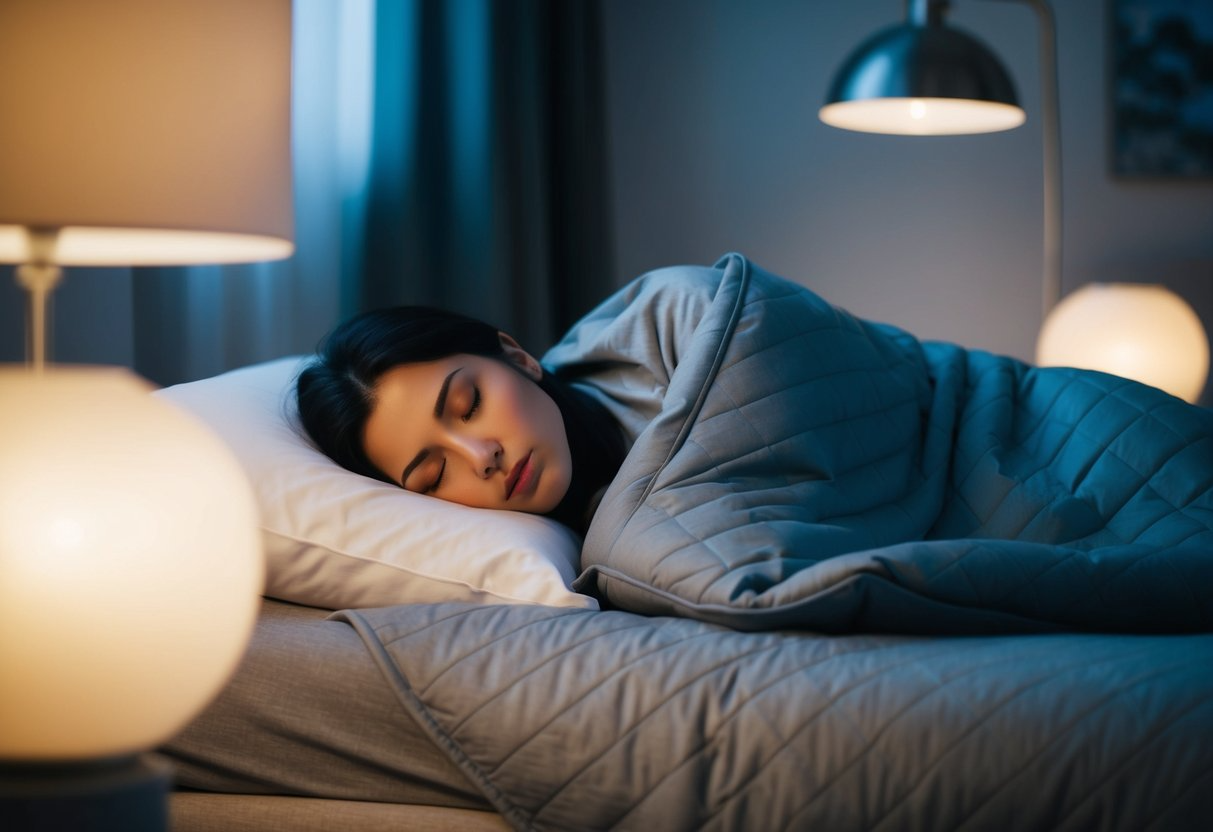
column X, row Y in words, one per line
column 717, row 147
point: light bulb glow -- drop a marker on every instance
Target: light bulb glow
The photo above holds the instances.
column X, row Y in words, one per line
column 65, row 534
column 89, row 246
column 1139, row 331
column 128, row 532
column 922, row 116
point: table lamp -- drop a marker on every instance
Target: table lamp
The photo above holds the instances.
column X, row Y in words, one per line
column 924, row 78
column 136, row 132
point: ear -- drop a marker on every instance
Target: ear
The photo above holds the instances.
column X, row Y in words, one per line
column 520, row 358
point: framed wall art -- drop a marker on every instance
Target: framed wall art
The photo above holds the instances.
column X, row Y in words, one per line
column 1162, row 88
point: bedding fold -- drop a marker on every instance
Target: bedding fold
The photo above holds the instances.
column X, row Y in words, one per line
column 799, row 467
column 611, row 720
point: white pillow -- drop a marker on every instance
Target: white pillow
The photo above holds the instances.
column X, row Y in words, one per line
column 337, row 540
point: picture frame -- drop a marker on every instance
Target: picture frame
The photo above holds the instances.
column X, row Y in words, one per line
column 1161, row 88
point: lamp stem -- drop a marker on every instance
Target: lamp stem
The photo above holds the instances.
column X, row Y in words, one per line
column 1051, row 136
column 926, row 12
column 39, row 277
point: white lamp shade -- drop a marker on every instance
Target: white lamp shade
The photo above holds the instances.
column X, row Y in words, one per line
column 922, row 116
column 1143, row 332
column 130, row 565
column 149, row 132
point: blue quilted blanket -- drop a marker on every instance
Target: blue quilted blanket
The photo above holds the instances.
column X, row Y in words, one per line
column 797, row 467
column 584, row 720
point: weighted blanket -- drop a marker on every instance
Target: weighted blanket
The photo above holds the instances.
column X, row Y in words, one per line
column 582, row 720
column 797, row 467
column 847, row 490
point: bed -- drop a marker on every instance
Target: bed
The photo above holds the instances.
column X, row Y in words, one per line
column 844, row 580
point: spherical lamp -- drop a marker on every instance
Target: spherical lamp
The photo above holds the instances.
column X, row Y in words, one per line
column 1143, row 332
column 130, row 570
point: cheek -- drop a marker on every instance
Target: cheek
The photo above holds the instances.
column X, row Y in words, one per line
column 530, row 410
column 532, row 413
column 550, row 421
column 515, row 411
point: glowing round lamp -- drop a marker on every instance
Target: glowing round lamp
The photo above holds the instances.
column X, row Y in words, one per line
column 1139, row 331
column 130, row 565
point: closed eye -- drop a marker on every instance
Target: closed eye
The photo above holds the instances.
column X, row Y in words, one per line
column 432, row 487
column 475, row 405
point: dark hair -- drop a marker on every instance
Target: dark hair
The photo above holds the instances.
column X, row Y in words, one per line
column 336, row 393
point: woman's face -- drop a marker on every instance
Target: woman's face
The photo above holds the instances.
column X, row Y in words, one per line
column 472, row 430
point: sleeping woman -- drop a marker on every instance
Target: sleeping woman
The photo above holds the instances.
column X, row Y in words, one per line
column 442, row 404
column 750, row 454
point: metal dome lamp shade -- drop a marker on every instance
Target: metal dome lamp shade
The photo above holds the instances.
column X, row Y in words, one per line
column 922, row 78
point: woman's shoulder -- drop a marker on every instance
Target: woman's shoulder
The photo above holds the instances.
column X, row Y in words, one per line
column 677, row 280
column 625, row 350
column 671, row 289
column 664, row 298
column 652, row 310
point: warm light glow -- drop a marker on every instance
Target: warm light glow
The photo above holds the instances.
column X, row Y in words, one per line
column 922, row 116
column 133, row 123
column 1138, row 331
column 130, row 565
column 146, row 247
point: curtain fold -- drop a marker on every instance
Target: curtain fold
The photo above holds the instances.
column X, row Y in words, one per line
column 446, row 152
column 490, row 188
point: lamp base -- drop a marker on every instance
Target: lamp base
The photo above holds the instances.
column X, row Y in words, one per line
column 124, row 793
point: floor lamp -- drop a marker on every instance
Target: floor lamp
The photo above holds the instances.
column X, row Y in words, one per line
column 136, row 132
column 924, row 77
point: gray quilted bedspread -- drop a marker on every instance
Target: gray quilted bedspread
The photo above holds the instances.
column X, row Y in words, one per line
column 797, row 471
column 572, row 720
column 802, row 468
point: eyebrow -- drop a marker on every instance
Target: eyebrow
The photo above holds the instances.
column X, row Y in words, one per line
column 440, row 403
column 439, row 406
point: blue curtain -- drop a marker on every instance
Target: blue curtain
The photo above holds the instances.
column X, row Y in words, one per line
column 447, row 152
column 489, row 186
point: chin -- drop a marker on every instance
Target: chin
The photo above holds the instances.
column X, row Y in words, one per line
column 545, row 503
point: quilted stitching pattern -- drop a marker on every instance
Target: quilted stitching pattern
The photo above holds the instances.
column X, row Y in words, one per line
column 574, row 720
column 803, row 455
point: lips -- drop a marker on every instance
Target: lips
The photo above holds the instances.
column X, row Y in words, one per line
column 511, row 482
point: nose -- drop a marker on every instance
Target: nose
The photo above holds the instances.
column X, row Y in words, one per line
column 484, row 455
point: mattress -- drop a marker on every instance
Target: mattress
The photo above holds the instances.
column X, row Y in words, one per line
column 307, row 714
column 201, row 812
column 556, row 719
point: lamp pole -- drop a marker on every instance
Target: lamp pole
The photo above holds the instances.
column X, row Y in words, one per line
column 1050, row 125
column 1050, row 132
column 39, row 276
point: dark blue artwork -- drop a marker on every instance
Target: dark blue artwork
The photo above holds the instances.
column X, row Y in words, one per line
column 1162, row 88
